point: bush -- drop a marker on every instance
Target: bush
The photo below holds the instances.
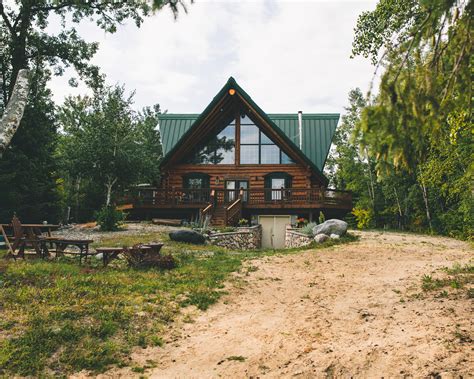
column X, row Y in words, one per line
column 109, row 218
column 308, row 228
column 364, row 217
column 322, row 218
column 243, row 222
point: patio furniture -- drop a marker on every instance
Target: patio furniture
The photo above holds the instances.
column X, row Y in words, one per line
column 61, row 245
column 109, row 253
column 25, row 235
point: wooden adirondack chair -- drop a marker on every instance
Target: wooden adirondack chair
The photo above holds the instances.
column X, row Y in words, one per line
column 22, row 239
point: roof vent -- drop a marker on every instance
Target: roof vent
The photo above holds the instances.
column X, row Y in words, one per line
column 300, row 128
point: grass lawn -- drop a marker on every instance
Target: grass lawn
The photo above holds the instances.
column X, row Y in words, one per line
column 57, row 317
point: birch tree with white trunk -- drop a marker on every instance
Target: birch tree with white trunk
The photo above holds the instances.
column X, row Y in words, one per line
column 14, row 110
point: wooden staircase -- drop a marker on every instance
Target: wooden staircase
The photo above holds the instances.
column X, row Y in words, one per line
column 218, row 217
column 223, row 214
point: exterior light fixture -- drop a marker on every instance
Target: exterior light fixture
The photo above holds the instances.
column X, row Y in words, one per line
column 232, row 92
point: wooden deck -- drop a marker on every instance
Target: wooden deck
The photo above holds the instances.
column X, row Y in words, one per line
column 289, row 198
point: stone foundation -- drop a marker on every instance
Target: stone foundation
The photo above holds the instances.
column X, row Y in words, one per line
column 244, row 238
column 294, row 238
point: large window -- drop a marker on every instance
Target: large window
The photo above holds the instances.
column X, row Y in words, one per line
column 220, row 149
column 256, row 147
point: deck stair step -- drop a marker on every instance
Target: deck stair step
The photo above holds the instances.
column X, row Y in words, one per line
column 218, row 216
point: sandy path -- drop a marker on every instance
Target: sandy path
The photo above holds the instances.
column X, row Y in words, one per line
column 330, row 313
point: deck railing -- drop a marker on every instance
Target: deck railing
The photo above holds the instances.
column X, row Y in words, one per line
column 249, row 197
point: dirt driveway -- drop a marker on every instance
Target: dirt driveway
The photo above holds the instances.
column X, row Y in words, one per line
column 355, row 310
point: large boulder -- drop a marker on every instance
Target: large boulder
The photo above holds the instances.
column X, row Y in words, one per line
column 329, row 227
column 189, row 236
column 320, row 238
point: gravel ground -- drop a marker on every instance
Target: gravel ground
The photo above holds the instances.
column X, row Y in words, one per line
column 88, row 231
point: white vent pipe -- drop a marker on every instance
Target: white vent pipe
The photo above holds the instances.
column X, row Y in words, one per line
column 300, row 128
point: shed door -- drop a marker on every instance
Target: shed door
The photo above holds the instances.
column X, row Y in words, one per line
column 273, row 231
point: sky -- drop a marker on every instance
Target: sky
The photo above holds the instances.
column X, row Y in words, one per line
column 287, row 55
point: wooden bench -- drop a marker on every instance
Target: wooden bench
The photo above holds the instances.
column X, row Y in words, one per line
column 109, row 253
column 141, row 252
column 62, row 243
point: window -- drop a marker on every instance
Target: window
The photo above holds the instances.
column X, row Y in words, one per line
column 256, row 147
column 270, row 154
column 275, row 183
column 249, row 134
column 220, row 149
column 196, row 181
column 196, row 188
column 248, row 154
column 233, row 188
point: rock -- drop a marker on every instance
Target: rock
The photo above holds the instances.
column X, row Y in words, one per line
column 189, row 236
column 332, row 226
column 321, row 238
column 334, row 236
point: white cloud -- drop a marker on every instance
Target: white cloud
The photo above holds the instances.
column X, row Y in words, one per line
column 289, row 55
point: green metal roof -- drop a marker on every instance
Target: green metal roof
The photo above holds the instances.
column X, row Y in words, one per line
column 318, row 130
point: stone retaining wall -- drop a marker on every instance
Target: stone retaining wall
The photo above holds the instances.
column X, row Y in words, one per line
column 244, row 238
column 294, row 238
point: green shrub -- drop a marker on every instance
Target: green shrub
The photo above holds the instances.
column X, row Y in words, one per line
column 243, row 222
column 322, row 218
column 308, row 228
column 109, row 218
column 363, row 216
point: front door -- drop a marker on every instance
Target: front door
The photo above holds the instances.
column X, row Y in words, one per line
column 233, row 188
column 273, row 231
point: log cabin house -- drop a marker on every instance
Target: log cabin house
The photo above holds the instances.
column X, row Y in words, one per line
column 234, row 161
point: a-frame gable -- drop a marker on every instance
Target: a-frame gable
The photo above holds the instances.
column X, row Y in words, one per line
column 228, row 100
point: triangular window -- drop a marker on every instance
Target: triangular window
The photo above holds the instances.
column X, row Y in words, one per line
column 220, row 149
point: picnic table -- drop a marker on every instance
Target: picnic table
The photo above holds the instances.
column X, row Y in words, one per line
column 30, row 231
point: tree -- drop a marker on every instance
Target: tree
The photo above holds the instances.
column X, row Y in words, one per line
column 417, row 124
column 28, row 171
column 150, row 144
column 106, row 142
column 25, row 23
column 14, row 110
column 350, row 167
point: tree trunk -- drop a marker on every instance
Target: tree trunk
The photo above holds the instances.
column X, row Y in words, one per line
column 427, row 208
column 77, row 198
column 14, row 111
column 110, row 183
column 372, row 187
column 399, row 209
